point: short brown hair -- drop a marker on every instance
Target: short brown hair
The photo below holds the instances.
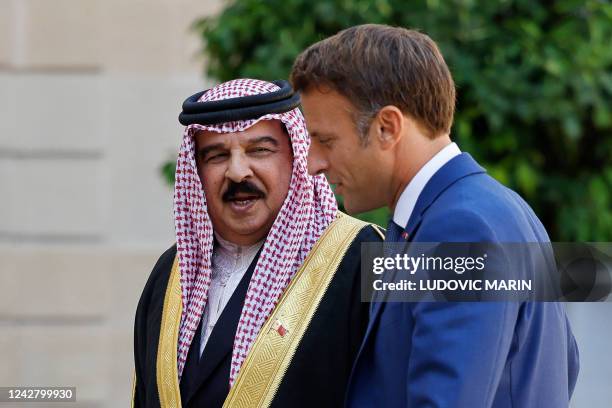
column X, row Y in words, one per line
column 376, row 65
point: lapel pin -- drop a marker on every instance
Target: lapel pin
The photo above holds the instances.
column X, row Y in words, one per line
column 279, row 328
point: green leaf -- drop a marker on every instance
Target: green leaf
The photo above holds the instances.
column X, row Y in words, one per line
column 534, row 85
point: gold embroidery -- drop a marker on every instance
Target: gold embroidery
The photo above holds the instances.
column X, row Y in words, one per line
column 133, row 388
column 167, row 372
column 379, row 231
column 273, row 350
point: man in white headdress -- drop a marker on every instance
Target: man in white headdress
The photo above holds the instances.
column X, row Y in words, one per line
column 258, row 303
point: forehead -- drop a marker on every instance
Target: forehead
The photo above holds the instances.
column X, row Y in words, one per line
column 326, row 110
column 269, row 128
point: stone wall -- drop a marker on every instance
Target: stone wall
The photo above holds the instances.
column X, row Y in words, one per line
column 90, row 92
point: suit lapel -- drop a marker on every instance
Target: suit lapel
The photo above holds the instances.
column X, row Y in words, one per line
column 455, row 169
column 221, row 340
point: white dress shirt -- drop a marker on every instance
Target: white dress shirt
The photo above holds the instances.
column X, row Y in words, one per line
column 229, row 264
column 411, row 193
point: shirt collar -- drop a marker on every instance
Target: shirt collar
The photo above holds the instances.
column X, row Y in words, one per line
column 229, row 249
column 410, row 195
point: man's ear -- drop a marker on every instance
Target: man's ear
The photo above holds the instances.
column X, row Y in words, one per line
column 389, row 122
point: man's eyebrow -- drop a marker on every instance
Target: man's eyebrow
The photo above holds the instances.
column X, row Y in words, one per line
column 321, row 134
column 202, row 152
column 264, row 139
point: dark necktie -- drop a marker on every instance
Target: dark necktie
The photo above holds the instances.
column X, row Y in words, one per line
column 392, row 236
column 394, row 232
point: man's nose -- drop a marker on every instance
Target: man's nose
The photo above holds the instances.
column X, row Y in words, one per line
column 317, row 163
column 238, row 169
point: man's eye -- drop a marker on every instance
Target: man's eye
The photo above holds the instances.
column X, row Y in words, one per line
column 215, row 158
column 260, row 150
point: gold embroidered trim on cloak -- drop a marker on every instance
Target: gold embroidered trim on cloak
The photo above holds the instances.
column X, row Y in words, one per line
column 133, row 388
column 167, row 371
column 278, row 339
column 379, row 231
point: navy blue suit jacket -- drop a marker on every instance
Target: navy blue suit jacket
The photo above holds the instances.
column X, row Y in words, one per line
column 462, row 354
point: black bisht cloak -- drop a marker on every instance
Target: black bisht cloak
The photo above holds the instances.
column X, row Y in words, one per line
column 319, row 371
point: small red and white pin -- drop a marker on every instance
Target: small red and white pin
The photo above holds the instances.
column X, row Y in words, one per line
column 278, row 327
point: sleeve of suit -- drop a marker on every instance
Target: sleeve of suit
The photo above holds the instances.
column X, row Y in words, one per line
column 458, row 349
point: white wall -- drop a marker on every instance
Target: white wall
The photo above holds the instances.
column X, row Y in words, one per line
column 90, row 91
column 592, row 327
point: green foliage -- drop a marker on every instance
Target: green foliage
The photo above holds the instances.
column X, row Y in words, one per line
column 534, row 85
column 167, row 171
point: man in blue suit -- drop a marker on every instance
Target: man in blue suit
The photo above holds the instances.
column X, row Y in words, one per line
column 379, row 104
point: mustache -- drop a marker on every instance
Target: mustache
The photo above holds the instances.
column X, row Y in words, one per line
column 244, row 187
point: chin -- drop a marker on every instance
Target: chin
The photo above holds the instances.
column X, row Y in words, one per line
column 247, row 228
column 254, row 226
column 352, row 210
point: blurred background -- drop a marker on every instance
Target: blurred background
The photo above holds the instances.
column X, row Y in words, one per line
column 90, row 91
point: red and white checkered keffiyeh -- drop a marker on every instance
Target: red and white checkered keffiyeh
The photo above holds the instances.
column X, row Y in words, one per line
column 308, row 209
